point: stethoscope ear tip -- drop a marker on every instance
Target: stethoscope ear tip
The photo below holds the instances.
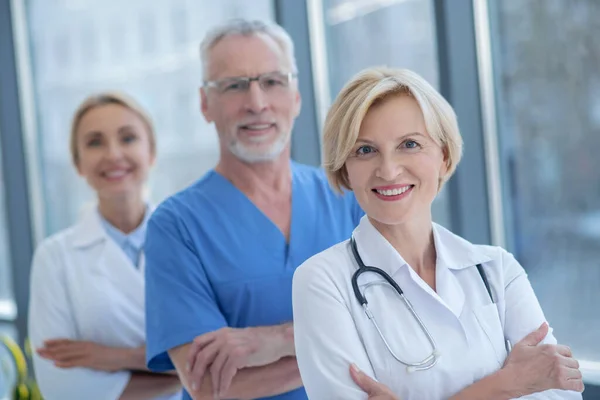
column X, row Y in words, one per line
column 436, row 353
column 410, row 370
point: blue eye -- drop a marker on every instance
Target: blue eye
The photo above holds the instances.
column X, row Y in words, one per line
column 94, row 142
column 232, row 85
column 411, row 144
column 364, row 150
column 129, row 138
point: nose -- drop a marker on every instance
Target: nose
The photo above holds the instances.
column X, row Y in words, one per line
column 113, row 151
column 390, row 167
column 257, row 100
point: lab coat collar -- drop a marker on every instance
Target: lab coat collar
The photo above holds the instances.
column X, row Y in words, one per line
column 89, row 230
column 453, row 252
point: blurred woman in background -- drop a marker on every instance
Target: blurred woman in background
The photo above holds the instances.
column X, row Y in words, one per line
column 86, row 315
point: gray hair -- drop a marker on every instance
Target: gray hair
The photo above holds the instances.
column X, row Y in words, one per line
column 245, row 27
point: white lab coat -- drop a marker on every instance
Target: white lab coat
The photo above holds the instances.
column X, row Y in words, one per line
column 84, row 287
column 331, row 330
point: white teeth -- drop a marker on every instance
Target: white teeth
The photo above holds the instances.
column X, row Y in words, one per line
column 115, row 174
column 393, row 192
column 258, row 127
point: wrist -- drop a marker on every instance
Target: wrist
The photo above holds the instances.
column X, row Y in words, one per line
column 285, row 337
column 134, row 358
column 500, row 385
column 506, row 384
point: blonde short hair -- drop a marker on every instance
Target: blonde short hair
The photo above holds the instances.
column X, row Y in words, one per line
column 370, row 87
column 101, row 99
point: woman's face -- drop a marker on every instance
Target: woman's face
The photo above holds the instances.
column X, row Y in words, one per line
column 115, row 154
column 395, row 167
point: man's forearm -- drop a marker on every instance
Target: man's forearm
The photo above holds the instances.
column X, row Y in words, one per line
column 287, row 334
column 497, row 386
column 250, row 383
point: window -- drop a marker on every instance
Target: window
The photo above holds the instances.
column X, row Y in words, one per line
column 7, row 305
column 548, row 108
column 396, row 33
column 158, row 76
column 148, row 32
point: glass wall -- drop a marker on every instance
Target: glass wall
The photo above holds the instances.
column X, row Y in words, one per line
column 7, row 304
column 548, row 84
column 397, row 33
column 147, row 48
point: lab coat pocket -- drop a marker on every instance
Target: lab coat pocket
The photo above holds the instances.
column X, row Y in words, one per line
column 489, row 321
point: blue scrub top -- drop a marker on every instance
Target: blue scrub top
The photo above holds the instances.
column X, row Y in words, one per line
column 213, row 259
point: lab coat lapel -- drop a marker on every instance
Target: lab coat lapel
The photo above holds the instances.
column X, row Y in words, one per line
column 110, row 261
column 114, row 264
column 453, row 254
column 375, row 251
column 450, row 290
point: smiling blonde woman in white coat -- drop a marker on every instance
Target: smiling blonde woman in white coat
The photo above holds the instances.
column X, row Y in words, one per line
column 86, row 315
column 394, row 141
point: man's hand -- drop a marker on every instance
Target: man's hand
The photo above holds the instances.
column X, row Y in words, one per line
column 374, row 389
column 68, row 353
column 227, row 350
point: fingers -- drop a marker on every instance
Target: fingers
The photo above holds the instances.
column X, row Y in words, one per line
column 72, row 363
column 62, row 352
column 570, row 363
column 227, row 373
column 368, row 385
column 575, row 385
column 535, row 337
column 197, row 345
column 58, row 342
column 58, row 345
column 215, row 371
column 573, row 380
column 564, row 350
column 202, row 360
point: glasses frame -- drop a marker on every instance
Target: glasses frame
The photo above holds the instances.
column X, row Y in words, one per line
column 247, row 80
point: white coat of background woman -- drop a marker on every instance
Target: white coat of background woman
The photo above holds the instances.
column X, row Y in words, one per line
column 86, row 315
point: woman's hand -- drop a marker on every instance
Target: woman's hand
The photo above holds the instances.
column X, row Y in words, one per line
column 68, row 353
column 536, row 367
column 374, row 389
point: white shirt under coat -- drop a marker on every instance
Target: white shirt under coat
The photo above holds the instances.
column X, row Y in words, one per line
column 84, row 287
column 332, row 331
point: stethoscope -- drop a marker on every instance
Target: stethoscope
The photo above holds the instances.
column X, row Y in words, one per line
column 430, row 360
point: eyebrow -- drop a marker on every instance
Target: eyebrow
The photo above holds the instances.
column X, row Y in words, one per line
column 122, row 129
column 91, row 134
column 127, row 129
column 367, row 141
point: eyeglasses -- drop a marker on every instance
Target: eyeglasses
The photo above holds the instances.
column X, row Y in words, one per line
column 269, row 83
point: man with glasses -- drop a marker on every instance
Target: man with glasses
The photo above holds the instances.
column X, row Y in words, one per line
column 221, row 254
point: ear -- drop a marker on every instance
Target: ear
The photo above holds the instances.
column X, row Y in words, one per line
column 204, row 105
column 298, row 103
column 445, row 167
column 152, row 158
